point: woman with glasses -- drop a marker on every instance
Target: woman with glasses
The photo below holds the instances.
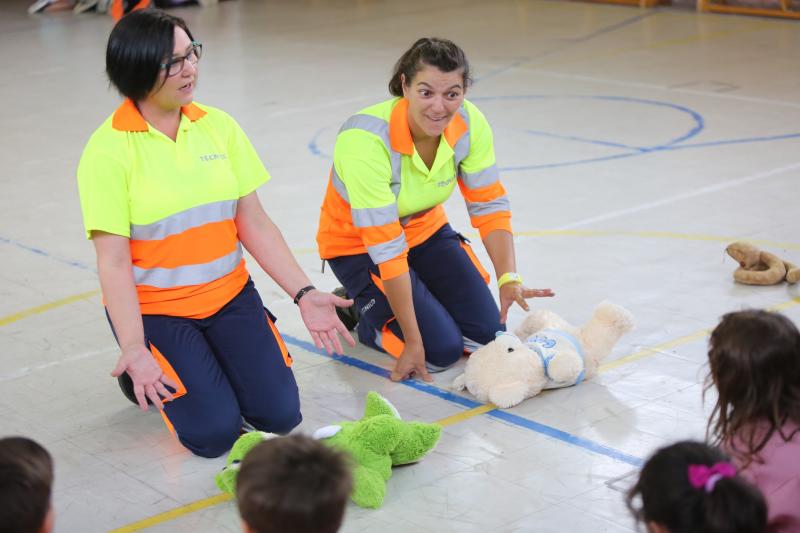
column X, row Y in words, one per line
column 168, row 193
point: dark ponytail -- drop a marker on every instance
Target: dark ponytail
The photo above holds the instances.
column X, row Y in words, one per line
column 730, row 505
column 440, row 53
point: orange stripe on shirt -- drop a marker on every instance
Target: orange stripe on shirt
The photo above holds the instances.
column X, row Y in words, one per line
column 201, row 244
column 484, row 194
column 193, row 301
column 373, row 235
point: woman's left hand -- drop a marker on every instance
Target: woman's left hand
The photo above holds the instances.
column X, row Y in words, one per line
column 516, row 292
column 318, row 310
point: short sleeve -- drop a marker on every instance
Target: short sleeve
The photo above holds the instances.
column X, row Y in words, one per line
column 103, row 190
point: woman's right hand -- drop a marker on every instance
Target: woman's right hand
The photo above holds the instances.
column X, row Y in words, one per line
column 411, row 363
column 148, row 378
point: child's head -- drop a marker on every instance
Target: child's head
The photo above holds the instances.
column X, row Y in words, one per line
column 26, row 480
column 690, row 487
column 754, row 359
column 293, row 484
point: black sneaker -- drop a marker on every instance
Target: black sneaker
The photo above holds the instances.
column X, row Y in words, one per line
column 348, row 315
column 126, row 385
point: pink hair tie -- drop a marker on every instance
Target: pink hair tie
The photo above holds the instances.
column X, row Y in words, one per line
column 706, row 477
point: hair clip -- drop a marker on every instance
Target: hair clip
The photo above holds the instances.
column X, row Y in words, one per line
column 706, row 477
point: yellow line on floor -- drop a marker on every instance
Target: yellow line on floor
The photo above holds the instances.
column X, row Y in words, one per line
column 647, row 352
column 173, row 514
column 220, row 498
column 8, row 319
column 465, row 415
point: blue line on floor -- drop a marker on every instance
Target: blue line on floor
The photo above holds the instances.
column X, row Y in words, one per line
column 38, row 251
column 562, row 46
column 498, row 414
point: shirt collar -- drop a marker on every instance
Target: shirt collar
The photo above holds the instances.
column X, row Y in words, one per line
column 400, row 132
column 128, row 118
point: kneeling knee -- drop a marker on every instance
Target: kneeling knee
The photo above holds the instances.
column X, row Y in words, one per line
column 445, row 354
column 280, row 420
column 213, row 439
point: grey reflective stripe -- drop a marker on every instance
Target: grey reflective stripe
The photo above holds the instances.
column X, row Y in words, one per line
column 338, row 184
column 482, row 178
column 376, row 126
column 380, row 253
column 476, row 209
column 397, row 163
column 375, row 216
column 180, row 222
column 461, row 149
column 167, row 278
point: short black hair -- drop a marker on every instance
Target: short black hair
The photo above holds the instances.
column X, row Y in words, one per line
column 26, row 482
column 443, row 54
column 293, row 484
column 669, row 499
column 139, row 43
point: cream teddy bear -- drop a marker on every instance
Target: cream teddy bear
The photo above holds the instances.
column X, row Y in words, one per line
column 553, row 354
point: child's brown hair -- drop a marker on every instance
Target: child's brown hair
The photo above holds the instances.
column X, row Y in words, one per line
column 754, row 359
column 26, row 484
column 293, row 484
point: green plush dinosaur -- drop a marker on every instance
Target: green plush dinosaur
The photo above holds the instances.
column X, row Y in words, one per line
column 226, row 478
column 380, row 440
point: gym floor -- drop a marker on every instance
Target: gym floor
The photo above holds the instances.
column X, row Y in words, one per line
column 635, row 145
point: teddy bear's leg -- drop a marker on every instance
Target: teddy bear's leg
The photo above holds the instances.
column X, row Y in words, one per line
column 565, row 369
column 609, row 322
column 539, row 320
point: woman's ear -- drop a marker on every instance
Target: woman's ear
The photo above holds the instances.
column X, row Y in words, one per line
column 403, row 85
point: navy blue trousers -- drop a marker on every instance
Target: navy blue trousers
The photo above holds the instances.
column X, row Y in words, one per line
column 231, row 365
column 455, row 309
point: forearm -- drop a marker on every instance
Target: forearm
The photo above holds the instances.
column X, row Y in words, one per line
column 398, row 292
column 500, row 247
column 262, row 238
column 122, row 302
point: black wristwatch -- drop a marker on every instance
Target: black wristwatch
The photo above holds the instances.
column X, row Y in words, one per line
column 302, row 292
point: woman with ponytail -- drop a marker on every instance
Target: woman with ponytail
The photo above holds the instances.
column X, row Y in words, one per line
column 421, row 293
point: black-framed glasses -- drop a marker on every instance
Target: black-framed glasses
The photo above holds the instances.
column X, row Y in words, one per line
column 175, row 65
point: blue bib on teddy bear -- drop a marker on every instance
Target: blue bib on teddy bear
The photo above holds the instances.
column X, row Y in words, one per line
column 546, row 344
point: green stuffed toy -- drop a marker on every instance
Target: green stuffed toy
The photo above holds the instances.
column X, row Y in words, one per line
column 380, row 440
column 226, row 478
